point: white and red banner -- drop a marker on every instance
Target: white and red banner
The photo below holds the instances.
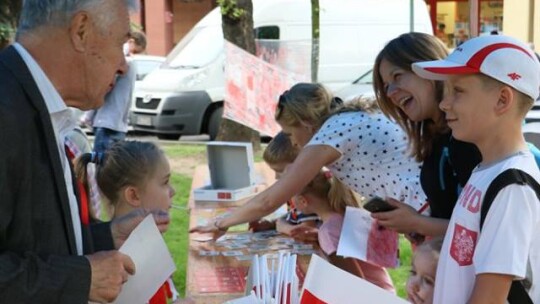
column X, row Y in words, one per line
column 252, row 89
column 327, row 284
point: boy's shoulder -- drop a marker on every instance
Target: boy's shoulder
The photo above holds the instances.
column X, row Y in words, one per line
column 508, row 177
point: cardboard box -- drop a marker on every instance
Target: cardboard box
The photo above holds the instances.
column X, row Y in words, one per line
column 232, row 172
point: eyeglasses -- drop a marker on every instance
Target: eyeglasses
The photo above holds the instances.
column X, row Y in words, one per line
column 281, row 103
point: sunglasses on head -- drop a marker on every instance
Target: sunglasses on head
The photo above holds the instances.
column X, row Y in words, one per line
column 281, row 103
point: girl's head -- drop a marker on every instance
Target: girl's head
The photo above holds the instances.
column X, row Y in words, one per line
column 280, row 153
column 403, row 96
column 325, row 191
column 421, row 281
column 302, row 110
column 131, row 174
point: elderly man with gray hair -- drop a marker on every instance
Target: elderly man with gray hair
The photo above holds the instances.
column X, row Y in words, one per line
column 67, row 53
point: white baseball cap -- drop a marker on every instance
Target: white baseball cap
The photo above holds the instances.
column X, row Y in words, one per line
column 503, row 58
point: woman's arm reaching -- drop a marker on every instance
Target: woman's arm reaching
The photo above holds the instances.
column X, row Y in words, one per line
column 297, row 175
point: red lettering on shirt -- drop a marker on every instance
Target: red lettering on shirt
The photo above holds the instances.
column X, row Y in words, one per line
column 463, row 245
column 474, row 202
column 466, row 193
column 471, row 198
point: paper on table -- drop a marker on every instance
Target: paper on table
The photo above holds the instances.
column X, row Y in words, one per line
column 362, row 238
column 153, row 263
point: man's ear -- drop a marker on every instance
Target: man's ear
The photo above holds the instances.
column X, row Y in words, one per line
column 132, row 196
column 506, row 100
column 79, row 30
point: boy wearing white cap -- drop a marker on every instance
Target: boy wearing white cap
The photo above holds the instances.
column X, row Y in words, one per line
column 491, row 83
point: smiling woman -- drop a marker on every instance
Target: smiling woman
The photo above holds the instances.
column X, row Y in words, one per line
column 414, row 103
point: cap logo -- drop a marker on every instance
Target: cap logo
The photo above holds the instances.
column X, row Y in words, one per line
column 514, row 76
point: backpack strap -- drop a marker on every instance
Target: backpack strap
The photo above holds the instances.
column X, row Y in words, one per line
column 517, row 293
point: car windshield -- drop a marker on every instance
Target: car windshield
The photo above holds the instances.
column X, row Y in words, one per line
column 144, row 67
column 367, row 78
column 200, row 47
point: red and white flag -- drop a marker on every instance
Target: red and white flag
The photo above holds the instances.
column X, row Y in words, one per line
column 327, row 284
column 363, row 238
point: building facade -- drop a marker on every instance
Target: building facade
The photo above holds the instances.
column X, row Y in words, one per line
column 165, row 22
column 518, row 18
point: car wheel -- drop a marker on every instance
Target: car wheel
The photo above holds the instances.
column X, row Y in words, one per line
column 214, row 122
column 169, row 136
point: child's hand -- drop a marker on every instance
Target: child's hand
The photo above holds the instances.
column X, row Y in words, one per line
column 121, row 227
column 282, row 226
column 403, row 219
column 262, row 225
column 305, row 233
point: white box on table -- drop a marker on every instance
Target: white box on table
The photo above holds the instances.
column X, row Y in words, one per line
column 232, row 172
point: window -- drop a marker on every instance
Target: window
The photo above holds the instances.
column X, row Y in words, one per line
column 267, row 32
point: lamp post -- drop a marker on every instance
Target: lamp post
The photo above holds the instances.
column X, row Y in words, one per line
column 474, row 16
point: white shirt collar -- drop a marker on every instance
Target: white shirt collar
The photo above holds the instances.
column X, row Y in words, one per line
column 53, row 100
column 62, row 123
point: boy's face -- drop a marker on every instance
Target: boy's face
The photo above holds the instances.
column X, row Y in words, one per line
column 421, row 282
column 298, row 135
column 469, row 107
column 301, row 203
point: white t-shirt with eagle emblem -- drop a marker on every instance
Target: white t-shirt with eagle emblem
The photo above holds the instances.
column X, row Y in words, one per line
column 509, row 242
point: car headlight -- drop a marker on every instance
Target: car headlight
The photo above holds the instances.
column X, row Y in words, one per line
column 195, row 79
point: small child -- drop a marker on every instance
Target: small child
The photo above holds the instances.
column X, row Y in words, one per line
column 278, row 155
column 328, row 197
column 421, row 281
column 491, row 83
column 131, row 175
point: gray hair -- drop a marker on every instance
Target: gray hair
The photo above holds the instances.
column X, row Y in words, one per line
column 37, row 13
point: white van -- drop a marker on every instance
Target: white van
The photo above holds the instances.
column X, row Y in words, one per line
column 185, row 96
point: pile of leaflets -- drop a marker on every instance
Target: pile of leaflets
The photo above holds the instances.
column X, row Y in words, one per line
column 271, row 280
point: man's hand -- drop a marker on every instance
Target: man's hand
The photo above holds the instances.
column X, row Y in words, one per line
column 122, row 227
column 110, row 270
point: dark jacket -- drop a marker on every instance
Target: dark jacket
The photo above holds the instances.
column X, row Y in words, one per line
column 38, row 257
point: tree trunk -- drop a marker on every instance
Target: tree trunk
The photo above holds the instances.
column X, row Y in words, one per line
column 237, row 22
column 315, row 34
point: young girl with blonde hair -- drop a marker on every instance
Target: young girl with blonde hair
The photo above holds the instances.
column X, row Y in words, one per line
column 131, row 175
column 328, row 198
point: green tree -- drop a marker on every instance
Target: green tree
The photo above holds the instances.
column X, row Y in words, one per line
column 237, row 23
column 9, row 14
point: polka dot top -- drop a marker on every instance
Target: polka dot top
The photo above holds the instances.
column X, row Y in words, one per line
column 374, row 159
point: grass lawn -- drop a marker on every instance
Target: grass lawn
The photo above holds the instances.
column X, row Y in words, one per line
column 177, row 235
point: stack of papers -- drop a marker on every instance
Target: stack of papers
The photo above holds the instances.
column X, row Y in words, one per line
column 271, row 279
